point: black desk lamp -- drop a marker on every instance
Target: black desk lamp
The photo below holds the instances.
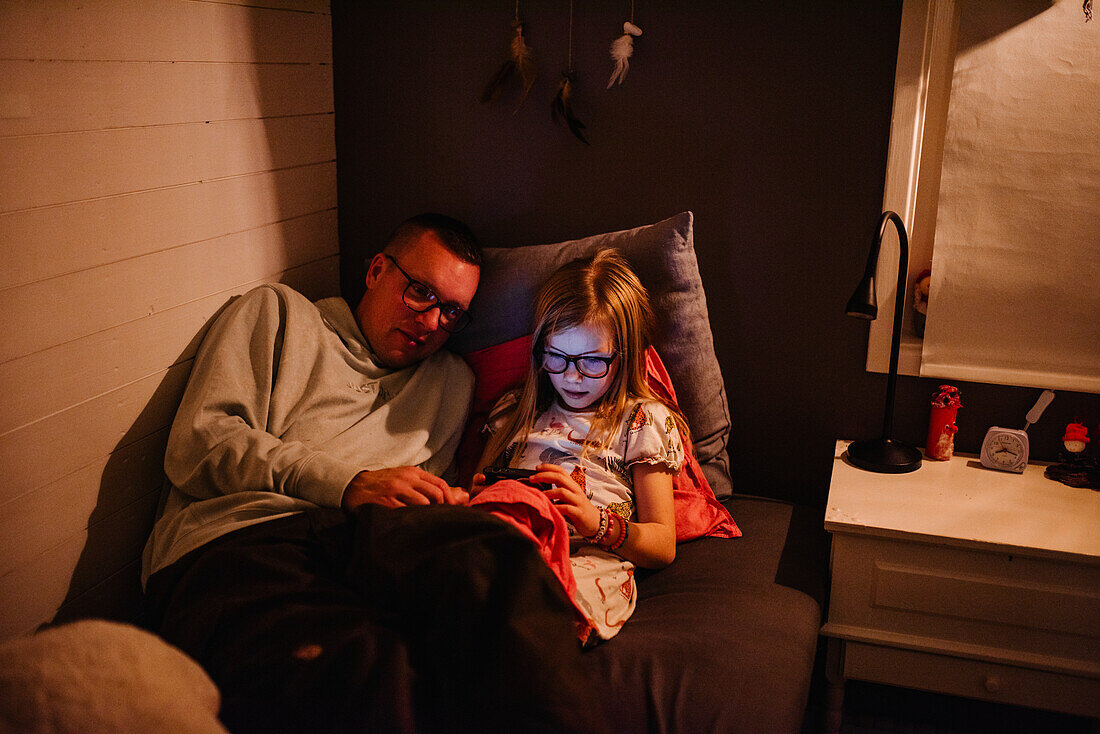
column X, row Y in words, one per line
column 884, row 454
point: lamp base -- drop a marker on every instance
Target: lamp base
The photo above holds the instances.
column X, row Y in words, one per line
column 884, row 455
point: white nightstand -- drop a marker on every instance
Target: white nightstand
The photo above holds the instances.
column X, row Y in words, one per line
column 963, row 580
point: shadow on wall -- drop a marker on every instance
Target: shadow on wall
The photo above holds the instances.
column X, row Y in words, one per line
column 987, row 20
column 106, row 581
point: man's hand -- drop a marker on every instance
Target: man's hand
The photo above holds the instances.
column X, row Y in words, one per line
column 400, row 487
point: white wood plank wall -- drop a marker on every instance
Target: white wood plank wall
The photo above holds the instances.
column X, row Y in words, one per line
column 157, row 157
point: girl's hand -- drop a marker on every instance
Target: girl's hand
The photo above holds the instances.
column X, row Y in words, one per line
column 478, row 483
column 568, row 497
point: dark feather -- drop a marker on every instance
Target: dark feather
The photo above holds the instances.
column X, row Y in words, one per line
column 524, row 60
column 492, row 89
column 562, row 108
column 521, row 61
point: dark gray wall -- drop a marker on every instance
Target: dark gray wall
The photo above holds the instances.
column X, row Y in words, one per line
column 770, row 120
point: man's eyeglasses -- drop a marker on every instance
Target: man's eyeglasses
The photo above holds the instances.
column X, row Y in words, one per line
column 587, row 364
column 420, row 298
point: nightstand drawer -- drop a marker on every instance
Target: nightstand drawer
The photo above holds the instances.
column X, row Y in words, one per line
column 965, row 581
column 972, row 678
column 1023, row 611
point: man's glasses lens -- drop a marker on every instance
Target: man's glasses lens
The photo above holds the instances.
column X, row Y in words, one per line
column 420, row 295
column 594, row 367
column 420, row 298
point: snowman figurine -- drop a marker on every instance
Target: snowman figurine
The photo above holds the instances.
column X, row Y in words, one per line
column 1075, row 440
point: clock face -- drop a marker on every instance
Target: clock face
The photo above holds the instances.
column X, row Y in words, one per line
column 1005, row 449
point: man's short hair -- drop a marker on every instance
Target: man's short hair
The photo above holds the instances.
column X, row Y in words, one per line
column 454, row 235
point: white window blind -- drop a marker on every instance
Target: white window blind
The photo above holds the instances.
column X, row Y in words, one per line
column 1015, row 291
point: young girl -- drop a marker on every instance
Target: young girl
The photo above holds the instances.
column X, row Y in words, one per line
column 605, row 447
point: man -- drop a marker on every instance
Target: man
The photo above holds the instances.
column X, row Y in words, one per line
column 310, row 554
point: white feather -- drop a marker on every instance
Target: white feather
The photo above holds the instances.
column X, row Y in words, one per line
column 622, row 48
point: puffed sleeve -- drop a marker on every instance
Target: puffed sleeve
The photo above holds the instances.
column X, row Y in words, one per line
column 652, row 437
column 500, row 411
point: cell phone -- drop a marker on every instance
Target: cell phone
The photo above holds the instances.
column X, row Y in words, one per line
column 497, row 473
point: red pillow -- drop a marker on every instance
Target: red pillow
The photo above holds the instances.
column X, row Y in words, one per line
column 698, row 512
column 502, row 367
column 497, row 370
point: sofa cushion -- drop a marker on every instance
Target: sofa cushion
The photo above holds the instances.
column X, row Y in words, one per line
column 663, row 254
column 724, row 639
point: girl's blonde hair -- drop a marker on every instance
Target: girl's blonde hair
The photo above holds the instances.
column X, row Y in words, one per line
column 600, row 291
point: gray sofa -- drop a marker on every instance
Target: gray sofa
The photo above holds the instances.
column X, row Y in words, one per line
column 724, row 640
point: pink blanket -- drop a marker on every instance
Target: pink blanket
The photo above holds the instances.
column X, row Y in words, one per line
column 532, row 513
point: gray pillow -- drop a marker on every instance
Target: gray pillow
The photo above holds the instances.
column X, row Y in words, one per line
column 663, row 255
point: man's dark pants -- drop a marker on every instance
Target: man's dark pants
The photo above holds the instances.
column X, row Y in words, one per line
column 426, row 619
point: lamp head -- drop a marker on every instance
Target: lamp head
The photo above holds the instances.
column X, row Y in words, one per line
column 863, row 304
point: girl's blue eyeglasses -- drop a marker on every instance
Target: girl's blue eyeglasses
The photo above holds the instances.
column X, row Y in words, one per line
column 588, row 365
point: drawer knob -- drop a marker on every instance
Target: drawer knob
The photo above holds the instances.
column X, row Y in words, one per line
column 992, row 684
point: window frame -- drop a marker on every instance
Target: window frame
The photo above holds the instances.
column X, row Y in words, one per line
column 922, row 92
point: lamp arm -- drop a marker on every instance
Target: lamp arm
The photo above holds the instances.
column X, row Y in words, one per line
column 884, row 454
column 899, row 304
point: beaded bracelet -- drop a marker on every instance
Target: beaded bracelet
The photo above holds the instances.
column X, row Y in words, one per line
column 607, row 540
column 622, row 535
column 605, row 521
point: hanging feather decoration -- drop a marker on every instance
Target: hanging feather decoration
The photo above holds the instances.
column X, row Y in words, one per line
column 521, row 61
column 524, row 59
column 562, row 108
column 622, row 48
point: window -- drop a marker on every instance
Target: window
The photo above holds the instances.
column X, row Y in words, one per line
column 1006, row 307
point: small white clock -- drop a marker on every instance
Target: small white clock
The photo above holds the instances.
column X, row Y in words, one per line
column 1005, row 449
